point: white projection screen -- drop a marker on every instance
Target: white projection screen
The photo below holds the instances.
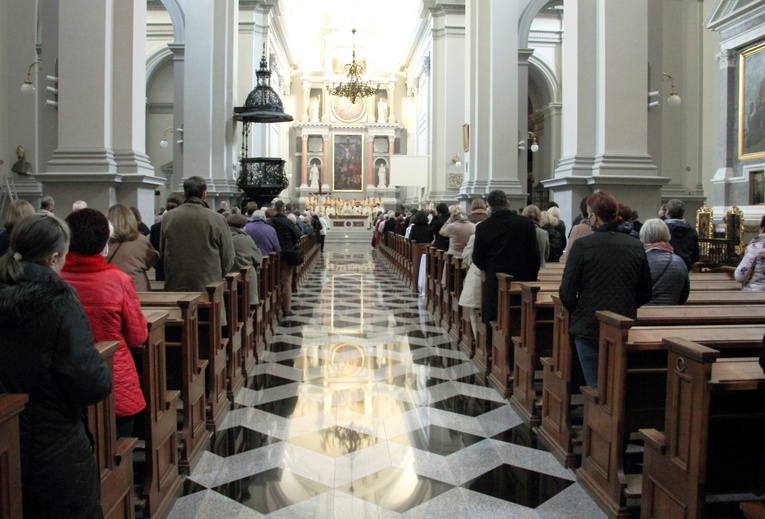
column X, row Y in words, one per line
column 408, row 170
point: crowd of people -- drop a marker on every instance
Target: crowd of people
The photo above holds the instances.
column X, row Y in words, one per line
column 66, row 284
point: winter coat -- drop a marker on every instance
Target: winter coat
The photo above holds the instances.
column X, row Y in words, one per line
column 578, row 231
column 263, row 235
column 478, row 216
column 114, row 313
column 459, row 233
column 607, row 270
column 684, row 240
column 669, row 278
column 421, row 233
column 556, row 243
column 440, row 242
column 134, row 258
column 196, row 247
column 286, row 231
column 629, row 229
column 504, row 242
column 46, row 351
column 751, row 271
column 471, row 287
column 247, row 254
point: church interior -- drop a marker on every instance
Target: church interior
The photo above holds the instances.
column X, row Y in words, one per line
column 359, row 405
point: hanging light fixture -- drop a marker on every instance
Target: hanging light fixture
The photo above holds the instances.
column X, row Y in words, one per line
column 28, row 88
column 354, row 87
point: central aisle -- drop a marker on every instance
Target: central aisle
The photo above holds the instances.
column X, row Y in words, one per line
column 363, row 407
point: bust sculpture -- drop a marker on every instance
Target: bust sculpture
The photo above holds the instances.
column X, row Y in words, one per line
column 21, row 166
column 382, row 175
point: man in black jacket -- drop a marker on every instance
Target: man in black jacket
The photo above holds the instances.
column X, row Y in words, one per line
column 289, row 235
column 684, row 238
column 505, row 242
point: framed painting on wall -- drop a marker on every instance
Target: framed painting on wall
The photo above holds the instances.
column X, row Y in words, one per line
column 347, row 162
column 751, row 119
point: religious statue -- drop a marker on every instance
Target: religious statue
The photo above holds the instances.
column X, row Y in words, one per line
column 22, row 167
column 314, row 176
column 382, row 111
column 382, row 173
column 315, row 109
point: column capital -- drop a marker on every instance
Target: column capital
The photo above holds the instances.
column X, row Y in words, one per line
column 727, row 59
column 524, row 55
column 391, row 138
column 178, row 50
column 304, row 137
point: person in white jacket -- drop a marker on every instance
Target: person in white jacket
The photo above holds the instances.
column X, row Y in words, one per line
column 751, row 271
column 470, row 298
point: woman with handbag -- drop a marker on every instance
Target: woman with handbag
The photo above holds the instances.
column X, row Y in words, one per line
column 669, row 275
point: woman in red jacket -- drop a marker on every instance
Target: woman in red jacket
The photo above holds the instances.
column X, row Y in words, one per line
column 112, row 307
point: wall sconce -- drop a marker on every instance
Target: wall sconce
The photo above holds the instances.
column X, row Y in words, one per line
column 28, row 89
column 534, row 146
column 672, row 100
column 456, row 160
column 164, row 143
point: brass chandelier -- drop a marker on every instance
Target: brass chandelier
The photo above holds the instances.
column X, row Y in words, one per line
column 355, row 87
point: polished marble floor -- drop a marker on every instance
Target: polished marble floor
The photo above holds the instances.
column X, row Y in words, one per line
column 363, row 407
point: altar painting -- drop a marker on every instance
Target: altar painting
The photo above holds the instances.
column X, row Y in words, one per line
column 348, row 161
column 752, row 103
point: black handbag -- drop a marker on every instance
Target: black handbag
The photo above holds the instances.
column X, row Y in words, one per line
column 293, row 256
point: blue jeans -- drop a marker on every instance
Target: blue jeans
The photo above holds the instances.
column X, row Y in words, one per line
column 587, row 348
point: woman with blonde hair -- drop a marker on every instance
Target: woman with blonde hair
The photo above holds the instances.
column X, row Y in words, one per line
column 17, row 211
column 128, row 249
column 459, row 230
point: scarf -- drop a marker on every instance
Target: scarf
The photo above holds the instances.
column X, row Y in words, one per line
column 659, row 245
column 76, row 262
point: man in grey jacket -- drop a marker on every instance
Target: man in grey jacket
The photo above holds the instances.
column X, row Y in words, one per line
column 195, row 242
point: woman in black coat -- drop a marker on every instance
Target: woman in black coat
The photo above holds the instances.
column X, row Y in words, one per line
column 46, row 351
column 420, row 232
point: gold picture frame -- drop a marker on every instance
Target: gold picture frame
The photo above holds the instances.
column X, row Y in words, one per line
column 466, row 137
column 751, row 105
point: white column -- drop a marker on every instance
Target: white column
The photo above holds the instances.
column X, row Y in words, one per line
column 208, row 97
column 391, row 102
column 85, row 89
column 447, row 111
column 179, row 67
column 603, row 90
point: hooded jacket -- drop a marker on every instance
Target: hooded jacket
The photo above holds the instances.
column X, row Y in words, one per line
column 114, row 313
column 46, row 350
column 751, row 271
column 684, row 240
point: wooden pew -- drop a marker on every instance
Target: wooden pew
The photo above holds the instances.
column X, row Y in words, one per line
column 557, row 388
column 273, row 290
column 630, row 395
column 233, row 332
column 447, row 288
column 507, row 326
column 114, row 457
column 458, row 280
column 713, row 429
column 163, row 484
column 182, row 333
column 10, row 455
column 247, row 313
column 483, row 344
column 263, row 311
column 535, row 341
column 210, row 342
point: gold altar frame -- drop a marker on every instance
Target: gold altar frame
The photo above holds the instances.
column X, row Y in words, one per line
column 751, row 104
column 347, row 157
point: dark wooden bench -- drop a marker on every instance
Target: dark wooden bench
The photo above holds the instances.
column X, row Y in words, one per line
column 233, row 331
column 182, row 335
column 630, row 395
column 10, row 454
column 558, row 389
column 114, row 457
column 714, row 423
column 163, row 483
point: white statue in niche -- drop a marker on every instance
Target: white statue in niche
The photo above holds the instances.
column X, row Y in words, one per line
column 313, row 175
column 315, row 109
column 382, row 111
column 382, row 175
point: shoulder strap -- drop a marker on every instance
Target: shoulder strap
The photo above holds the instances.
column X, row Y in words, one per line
column 114, row 253
column 666, row 267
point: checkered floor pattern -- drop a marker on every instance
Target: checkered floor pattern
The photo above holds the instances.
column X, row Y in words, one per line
column 363, row 407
